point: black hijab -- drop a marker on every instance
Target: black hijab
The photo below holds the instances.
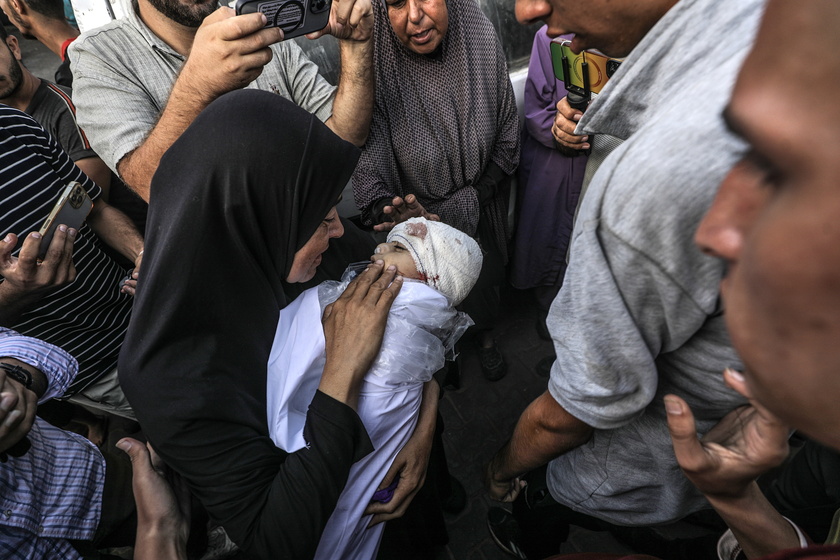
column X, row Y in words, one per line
column 234, row 198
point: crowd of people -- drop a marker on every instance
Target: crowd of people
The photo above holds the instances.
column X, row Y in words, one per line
column 215, row 354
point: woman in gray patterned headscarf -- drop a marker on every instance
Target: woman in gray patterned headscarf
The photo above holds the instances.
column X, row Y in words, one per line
column 445, row 129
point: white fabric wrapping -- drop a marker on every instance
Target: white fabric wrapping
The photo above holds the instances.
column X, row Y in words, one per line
column 421, row 327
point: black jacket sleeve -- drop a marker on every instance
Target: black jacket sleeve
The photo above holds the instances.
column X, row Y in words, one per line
column 287, row 520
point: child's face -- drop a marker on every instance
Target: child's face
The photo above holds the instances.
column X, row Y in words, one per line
column 394, row 253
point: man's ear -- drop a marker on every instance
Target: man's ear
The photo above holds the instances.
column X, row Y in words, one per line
column 14, row 46
column 20, row 7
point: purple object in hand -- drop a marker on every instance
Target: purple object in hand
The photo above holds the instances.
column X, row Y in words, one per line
column 384, row 496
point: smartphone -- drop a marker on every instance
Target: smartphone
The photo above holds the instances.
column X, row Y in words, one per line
column 294, row 17
column 72, row 209
column 600, row 68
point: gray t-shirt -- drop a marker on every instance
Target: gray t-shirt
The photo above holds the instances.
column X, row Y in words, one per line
column 639, row 313
column 123, row 74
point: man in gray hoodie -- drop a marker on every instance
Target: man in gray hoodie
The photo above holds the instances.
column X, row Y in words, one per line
column 639, row 314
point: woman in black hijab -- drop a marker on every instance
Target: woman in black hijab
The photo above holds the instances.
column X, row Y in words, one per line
column 241, row 202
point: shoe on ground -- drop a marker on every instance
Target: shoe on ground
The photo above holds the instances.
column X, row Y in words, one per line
column 457, row 500
column 219, row 545
column 493, row 365
column 505, row 531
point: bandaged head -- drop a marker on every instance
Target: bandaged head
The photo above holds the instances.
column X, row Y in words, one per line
column 446, row 258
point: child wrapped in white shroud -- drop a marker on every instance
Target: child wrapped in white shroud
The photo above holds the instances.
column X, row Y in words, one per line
column 422, row 329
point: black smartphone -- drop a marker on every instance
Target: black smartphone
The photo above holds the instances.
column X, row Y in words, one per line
column 72, row 209
column 294, row 17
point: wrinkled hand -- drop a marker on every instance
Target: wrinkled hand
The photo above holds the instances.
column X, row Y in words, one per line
column 17, row 411
column 228, row 53
column 353, row 328
column 163, row 502
column 25, row 276
column 563, row 129
column 410, row 464
column 744, row 444
column 130, row 285
column 349, row 20
column 403, row 209
column 502, row 490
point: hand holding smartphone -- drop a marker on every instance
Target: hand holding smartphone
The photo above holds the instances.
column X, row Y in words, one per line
column 72, row 209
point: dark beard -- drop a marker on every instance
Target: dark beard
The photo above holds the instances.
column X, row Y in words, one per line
column 15, row 79
column 182, row 14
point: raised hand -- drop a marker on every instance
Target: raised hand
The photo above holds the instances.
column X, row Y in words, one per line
column 228, row 53
column 744, row 444
column 349, row 20
column 403, row 209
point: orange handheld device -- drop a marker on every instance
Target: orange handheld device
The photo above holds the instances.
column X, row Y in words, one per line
column 585, row 73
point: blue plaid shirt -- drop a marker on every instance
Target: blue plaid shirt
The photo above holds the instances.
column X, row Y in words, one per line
column 54, row 492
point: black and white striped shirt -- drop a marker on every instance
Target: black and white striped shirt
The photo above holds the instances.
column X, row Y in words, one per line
column 87, row 318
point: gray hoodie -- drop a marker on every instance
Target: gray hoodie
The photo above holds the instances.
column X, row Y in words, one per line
column 639, row 314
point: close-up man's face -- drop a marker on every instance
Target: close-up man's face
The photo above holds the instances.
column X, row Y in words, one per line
column 613, row 27
column 776, row 219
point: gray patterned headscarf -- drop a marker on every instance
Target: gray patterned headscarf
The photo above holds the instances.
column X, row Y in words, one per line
column 438, row 121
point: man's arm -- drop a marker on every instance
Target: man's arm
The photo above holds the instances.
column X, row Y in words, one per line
column 116, row 230
column 96, row 169
column 228, row 53
column 163, row 505
column 544, row 431
column 351, row 21
column 353, row 105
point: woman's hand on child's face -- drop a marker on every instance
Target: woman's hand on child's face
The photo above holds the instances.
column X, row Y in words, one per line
column 394, row 253
column 353, row 327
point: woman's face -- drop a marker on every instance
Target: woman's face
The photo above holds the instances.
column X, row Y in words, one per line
column 420, row 25
column 308, row 257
